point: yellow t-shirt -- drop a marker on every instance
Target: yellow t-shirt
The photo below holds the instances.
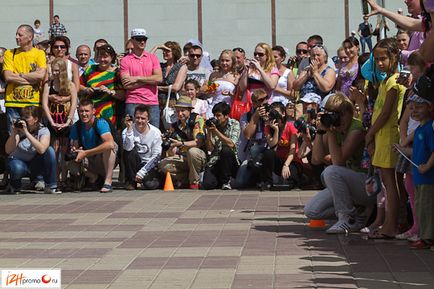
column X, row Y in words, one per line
column 23, row 62
column 384, row 157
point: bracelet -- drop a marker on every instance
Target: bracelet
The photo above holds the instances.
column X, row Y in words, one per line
column 285, row 165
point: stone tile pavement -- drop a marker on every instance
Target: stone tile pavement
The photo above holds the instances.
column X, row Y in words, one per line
column 196, row 240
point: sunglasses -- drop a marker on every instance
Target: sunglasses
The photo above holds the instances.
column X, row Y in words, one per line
column 140, row 39
column 195, row 55
column 299, row 51
column 258, row 54
column 239, row 49
column 259, row 100
column 59, row 46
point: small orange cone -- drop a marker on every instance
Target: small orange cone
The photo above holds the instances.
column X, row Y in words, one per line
column 168, row 184
column 317, row 224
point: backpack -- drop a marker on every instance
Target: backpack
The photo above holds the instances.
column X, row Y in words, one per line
column 116, row 136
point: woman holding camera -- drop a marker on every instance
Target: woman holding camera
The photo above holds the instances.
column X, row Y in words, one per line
column 260, row 72
column 30, row 153
column 281, row 156
column 318, row 77
column 341, row 144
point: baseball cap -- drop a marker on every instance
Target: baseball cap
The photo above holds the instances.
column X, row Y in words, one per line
column 138, row 32
column 311, row 98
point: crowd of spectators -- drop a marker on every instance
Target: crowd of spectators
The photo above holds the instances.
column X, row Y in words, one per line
column 358, row 127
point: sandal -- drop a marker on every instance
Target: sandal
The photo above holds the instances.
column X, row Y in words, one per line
column 376, row 235
column 106, row 188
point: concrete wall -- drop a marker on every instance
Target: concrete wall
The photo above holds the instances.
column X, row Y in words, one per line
column 226, row 23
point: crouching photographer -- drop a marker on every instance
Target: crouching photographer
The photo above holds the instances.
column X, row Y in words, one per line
column 183, row 144
column 142, row 150
column 342, row 144
column 221, row 140
column 29, row 152
column 281, row 156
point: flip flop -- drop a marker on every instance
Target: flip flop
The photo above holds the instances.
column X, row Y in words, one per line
column 106, row 188
column 376, row 235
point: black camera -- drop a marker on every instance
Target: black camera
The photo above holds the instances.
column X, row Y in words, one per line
column 330, row 118
column 211, row 121
column 274, row 115
column 302, row 126
column 71, row 156
column 18, row 123
column 167, row 136
column 311, row 112
column 255, row 162
column 267, row 107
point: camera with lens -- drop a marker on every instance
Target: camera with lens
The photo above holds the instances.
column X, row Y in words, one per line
column 167, row 136
column 255, row 162
column 70, row 156
column 274, row 115
column 18, row 123
column 303, row 126
column 330, row 118
column 211, row 121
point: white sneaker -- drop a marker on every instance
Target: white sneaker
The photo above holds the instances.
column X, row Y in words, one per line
column 343, row 227
column 227, row 186
column 39, row 186
column 52, row 191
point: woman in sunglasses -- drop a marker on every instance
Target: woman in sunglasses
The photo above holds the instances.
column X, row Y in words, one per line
column 101, row 83
column 318, row 77
column 222, row 83
column 60, row 48
column 260, row 72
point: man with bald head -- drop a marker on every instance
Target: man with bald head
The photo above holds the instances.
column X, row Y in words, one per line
column 23, row 69
column 83, row 55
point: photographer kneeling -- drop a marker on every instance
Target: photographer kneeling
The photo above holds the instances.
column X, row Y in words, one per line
column 93, row 147
column 281, row 156
column 344, row 196
column 30, row 153
column 142, row 150
column 183, row 143
column 221, row 140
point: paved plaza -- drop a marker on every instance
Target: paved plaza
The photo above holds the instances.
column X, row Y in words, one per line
column 197, row 240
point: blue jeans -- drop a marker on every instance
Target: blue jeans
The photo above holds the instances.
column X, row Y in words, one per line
column 45, row 164
column 154, row 112
column 245, row 177
column 12, row 114
column 364, row 41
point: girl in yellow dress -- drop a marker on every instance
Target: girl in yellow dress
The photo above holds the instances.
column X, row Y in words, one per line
column 384, row 131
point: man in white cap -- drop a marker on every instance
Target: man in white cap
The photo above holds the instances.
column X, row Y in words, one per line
column 140, row 74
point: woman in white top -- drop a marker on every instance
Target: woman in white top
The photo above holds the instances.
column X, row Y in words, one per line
column 222, row 83
column 283, row 91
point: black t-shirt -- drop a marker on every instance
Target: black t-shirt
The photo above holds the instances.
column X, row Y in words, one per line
column 365, row 29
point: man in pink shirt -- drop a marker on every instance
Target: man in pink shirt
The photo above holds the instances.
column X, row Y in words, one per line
column 140, row 74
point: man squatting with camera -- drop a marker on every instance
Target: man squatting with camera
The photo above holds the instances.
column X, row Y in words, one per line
column 221, row 142
column 184, row 146
column 92, row 144
column 142, row 145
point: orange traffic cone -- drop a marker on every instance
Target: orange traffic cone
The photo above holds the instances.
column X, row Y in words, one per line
column 168, row 184
column 317, row 224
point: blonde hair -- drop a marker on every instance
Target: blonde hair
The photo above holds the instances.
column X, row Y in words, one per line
column 339, row 102
column 231, row 54
column 270, row 62
column 64, row 83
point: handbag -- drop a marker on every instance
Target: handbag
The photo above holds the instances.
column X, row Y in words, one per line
column 239, row 107
column 373, row 183
column 169, row 113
